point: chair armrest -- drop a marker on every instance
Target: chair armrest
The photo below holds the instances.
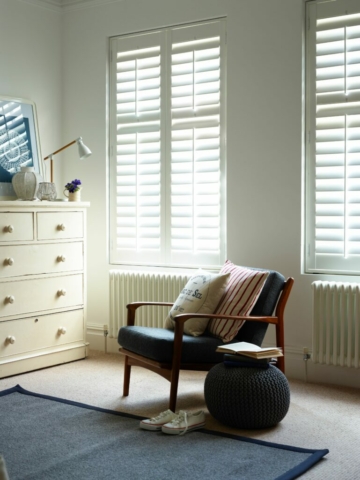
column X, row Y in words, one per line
column 133, row 306
column 183, row 317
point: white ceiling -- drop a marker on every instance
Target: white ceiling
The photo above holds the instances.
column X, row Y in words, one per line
column 64, row 3
column 61, row 5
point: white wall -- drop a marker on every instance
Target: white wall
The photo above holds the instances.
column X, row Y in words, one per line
column 264, row 140
column 30, row 64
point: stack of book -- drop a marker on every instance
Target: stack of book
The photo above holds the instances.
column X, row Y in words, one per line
column 244, row 354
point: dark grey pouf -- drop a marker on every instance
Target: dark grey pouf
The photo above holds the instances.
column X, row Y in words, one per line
column 245, row 397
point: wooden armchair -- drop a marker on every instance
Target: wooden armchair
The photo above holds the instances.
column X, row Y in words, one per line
column 167, row 352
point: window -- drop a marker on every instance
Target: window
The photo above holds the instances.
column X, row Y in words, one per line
column 167, row 146
column 332, row 223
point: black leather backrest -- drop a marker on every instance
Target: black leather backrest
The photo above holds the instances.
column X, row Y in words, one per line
column 254, row 332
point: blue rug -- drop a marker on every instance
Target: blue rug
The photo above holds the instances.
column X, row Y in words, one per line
column 48, row 438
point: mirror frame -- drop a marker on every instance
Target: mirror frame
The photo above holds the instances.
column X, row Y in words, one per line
column 26, row 109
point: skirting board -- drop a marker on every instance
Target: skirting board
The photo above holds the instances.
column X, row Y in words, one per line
column 43, row 359
column 97, row 334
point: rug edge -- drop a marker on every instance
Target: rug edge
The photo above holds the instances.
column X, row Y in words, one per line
column 19, row 389
column 304, row 466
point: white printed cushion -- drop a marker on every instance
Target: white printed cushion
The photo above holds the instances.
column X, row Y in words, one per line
column 201, row 294
column 242, row 291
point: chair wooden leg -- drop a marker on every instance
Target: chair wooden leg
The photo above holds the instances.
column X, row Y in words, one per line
column 173, row 389
column 127, row 372
column 280, row 336
column 175, row 369
column 281, row 364
column 280, row 343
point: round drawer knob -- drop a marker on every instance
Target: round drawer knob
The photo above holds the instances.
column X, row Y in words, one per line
column 9, row 261
column 10, row 339
column 61, row 227
column 61, row 330
column 62, row 292
column 9, row 228
column 61, row 258
column 10, row 299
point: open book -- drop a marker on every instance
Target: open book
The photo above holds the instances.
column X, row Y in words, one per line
column 250, row 350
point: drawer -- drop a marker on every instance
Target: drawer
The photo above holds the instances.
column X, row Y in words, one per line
column 21, row 297
column 57, row 225
column 45, row 331
column 17, row 260
column 16, row 226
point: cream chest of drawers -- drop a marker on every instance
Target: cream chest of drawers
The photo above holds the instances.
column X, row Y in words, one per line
column 42, row 284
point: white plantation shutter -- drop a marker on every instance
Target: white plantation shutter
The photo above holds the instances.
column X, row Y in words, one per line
column 196, row 144
column 333, row 138
column 168, row 147
column 136, row 148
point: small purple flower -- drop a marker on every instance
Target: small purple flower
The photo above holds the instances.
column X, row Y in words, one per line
column 73, row 186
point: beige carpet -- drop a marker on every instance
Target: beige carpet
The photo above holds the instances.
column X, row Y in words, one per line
column 320, row 416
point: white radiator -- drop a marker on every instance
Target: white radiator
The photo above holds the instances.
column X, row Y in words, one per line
column 127, row 287
column 336, row 323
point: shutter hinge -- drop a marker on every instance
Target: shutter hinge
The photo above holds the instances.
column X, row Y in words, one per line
column 111, row 56
column 308, row 23
column 309, row 137
column 308, row 250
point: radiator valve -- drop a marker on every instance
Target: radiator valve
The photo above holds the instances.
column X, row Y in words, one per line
column 306, row 355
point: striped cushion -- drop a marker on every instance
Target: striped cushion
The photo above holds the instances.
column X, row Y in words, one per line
column 242, row 291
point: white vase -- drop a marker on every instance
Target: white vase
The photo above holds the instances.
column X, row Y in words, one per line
column 26, row 183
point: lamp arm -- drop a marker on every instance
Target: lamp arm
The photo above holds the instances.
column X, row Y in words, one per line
column 84, row 152
column 60, row 149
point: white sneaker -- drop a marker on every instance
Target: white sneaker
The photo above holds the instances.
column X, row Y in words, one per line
column 156, row 423
column 185, row 422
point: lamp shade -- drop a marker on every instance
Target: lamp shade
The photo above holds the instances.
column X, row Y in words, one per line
column 84, row 151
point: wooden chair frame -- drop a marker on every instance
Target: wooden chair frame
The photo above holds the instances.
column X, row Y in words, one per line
column 171, row 371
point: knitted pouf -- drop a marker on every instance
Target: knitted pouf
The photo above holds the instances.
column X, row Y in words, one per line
column 246, row 397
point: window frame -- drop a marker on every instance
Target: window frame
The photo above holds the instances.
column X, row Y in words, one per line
column 165, row 258
column 322, row 262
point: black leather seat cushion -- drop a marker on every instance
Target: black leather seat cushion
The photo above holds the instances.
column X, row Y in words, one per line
column 157, row 344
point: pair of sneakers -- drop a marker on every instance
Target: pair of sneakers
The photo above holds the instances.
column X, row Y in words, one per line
column 175, row 424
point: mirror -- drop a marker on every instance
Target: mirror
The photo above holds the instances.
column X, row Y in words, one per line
column 19, row 141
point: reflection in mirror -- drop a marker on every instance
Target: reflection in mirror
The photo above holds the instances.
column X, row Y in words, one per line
column 19, row 141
